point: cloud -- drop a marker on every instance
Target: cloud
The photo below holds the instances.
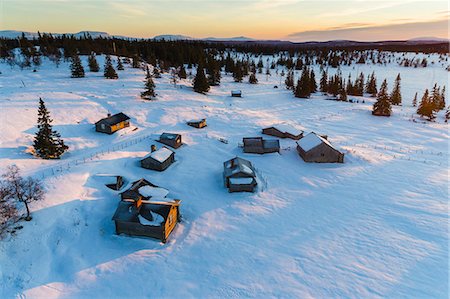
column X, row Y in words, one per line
column 403, row 31
column 359, row 9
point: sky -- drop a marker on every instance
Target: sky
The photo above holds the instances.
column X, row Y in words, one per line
column 293, row 20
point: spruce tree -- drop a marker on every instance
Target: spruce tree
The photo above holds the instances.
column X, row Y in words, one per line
column 382, row 107
column 436, row 99
column 425, row 108
column 252, row 79
column 414, row 101
column 200, row 82
column 238, row 73
column 447, row 114
column 324, row 82
column 182, row 73
column 119, row 64
column 93, row 64
column 289, row 80
column 76, row 67
column 147, row 72
column 343, row 95
column 149, row 92
column 371, row 86
column 109, row 72
column 47, row 142
column 302, row 89
column 136, row 62
column 396, row 96
column 312, row 82
column 156, row 72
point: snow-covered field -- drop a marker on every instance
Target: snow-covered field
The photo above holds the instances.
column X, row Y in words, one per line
column 375, row 226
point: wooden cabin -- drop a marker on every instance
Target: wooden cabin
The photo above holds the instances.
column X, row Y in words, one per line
column 170, row 139
column 239, row 175
column 315, row 148
column 283, row 131
column 197, row 123
column 258, row 145
column 147, row 218
column 236, row 93
column 158, row 159
column 112, row 123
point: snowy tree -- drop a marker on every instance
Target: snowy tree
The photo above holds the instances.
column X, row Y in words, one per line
column 396, row 96
column 23, row 190
column 47, row 142
column 382, row 107
column 237, row 73
column 147, row 72
column 425, row 108
column 252, row 79
column 289, row 80
column 109, row 71
column 93, row 64
column 201, row 85
column 156, row 73
column 8, row 210
column 174, row 76
column 312, row 82
column 371, row 85
column 119, row 64
column 182, row 72
column 324, row 82
column 414, row 101
column 76, row 67
column 149, row 92
column 447, row 114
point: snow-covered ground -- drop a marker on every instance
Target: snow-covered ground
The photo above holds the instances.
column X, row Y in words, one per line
column 375, row 226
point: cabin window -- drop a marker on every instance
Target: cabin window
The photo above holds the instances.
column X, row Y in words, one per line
column 103, row 126
column 322, row 154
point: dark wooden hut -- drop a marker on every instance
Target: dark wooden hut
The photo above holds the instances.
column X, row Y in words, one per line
column 146, row 218
column 258, row 145
column 112, row 123
column 197, row 123
column 159, row 159
column 283, row 131
column 236, row 93
column 315, row 148
column 239, row 175
column 170, row 139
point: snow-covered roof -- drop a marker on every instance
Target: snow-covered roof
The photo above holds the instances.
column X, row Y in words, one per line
column 236, row 91
column 241, row 181
column 161, row 154
column 156, row 193
column 286, row 128
column 312, row 140
column 168, row 136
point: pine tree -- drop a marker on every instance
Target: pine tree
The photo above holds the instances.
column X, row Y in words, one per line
column 425, row 108
column 371, row 86
column 93, row 65
column 359, row 85
column 447, row 114
column 238, row 73
column 382, row 107
column 182, row 73
column 312, row 82
column 76, row 67
column 350, row 89
column 396, row 96
column 414, row 101
column 119, row 64
column 289, row 80
column 149, row 92
column 109, row 72
column 200, row 82
column 252, row 79
column 156, row 72
column 324, row 82
column 47, row 142
column 343, row 95
column 436, row 99
column 136, row 62
column 302, row 89
column 147, row 72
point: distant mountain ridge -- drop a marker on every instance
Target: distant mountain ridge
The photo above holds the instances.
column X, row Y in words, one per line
column 12, row 34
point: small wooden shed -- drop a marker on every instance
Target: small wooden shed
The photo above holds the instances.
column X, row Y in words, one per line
column 147, row 218
column 236, row 93
column 170, row 139
column 197, row 123
column 239, row 175
column 112, row 123
column 159, row 159
column 283, row 131
column 315, row 148
column 258, row 145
